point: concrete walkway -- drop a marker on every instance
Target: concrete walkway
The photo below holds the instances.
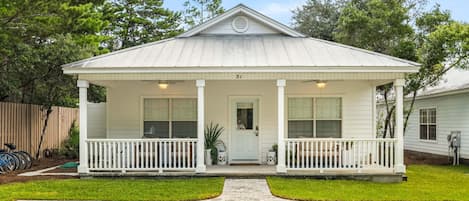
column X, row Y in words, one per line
column 42, row 172
column 246, row 190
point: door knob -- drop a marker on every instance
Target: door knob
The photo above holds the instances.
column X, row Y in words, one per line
column 257, row 131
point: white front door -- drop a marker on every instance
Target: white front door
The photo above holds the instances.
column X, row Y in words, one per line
column 244, row 129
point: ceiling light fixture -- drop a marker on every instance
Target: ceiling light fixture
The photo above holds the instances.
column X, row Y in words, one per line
column 163, row 84
column 321, row 84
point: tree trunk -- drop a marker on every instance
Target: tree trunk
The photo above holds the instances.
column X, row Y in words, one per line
column 41, row 140
column 411, row 107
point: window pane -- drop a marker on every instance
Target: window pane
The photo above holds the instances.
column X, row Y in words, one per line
column 423, row 116
column 432, row 132
column 156, row 129
column 300, row 108
column 432, row 116
column 328, row 108
column 328, row 128
column 423, row 132
column 300, row 129
column 244, row 116
column 156, row 109
column 184, row 109
column 184, row 129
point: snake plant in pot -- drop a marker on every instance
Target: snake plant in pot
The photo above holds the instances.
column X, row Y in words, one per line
column 212, row 133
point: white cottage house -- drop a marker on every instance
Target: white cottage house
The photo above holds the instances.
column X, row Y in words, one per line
column 264, row 82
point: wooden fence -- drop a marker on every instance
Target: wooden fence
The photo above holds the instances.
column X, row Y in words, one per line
column 22, row 125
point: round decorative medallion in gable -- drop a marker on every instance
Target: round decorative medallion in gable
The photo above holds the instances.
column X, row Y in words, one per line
column 240, row 24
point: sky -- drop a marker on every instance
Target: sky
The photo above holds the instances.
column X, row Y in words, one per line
column 280, row 10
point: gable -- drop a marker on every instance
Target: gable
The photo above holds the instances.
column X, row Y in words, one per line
column 228, row 27
column 222, row 24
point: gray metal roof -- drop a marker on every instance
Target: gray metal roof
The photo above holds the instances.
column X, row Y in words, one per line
column 242, row 51
column 454, row 80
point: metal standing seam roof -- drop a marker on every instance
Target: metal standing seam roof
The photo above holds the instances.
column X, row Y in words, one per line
column 241, row 51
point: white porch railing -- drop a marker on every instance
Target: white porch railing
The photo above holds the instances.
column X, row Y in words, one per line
column 340, row 154
column 141, row 154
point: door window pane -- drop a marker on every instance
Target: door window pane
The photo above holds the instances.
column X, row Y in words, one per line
column 300, row 129
column 244, row 116
column 328, row 128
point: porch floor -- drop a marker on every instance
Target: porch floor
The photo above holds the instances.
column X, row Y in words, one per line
column 249, row 171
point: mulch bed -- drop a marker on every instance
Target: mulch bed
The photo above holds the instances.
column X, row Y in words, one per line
column 37, row 165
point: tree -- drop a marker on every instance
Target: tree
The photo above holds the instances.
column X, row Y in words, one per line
column 36, row 38
column 198, row 11
column 318, row 18
column 26, row 26
column 136, row 22
column 395, row 27
column 376, row 25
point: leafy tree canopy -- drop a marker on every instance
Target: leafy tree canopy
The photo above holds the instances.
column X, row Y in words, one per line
column 198, row 11
column 134, row 22
column 318, row 18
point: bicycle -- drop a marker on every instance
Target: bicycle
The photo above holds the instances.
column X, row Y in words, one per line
column 11, row 160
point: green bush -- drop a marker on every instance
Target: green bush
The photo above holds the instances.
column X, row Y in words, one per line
column 71, row 145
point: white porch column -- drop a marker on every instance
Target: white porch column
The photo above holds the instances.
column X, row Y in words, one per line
column 83, row 93
column 200, row 126
column 399, row 133
column 281, row 126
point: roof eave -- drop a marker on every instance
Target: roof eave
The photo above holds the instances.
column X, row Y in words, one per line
column 270, row 69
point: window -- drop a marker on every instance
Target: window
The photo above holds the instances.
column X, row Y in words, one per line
column 170, row 118
column 428, row 124
column 244, row 116
column 314, row 117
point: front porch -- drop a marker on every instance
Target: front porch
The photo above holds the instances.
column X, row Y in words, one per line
column 348, row 153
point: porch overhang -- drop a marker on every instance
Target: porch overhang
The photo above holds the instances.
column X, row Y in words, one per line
column 243, row 75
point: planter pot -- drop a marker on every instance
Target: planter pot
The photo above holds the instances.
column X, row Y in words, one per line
column 221, row 158
column 271, row 159
column 208, row 157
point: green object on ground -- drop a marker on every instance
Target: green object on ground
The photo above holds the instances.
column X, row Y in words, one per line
column 69, row 165
column 425, row 182
column 114, row 189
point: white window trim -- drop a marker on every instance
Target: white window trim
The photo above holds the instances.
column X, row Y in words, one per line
column 314, row 97
column 142, row 119
column 428, row 140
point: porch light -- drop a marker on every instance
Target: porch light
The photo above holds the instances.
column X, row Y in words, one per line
column 321, row 84
column 163, row 84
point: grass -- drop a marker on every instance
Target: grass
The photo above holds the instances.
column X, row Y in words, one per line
column 425, row 182
column 114, row 189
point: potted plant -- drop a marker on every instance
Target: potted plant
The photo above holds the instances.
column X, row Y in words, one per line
column 272, row 155
column 212, row 133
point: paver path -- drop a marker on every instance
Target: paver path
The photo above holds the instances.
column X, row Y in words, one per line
column 246, row 190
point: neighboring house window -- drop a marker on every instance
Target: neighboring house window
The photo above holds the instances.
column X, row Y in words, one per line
column 170, row 118
column 314, row 117
column 428, row 124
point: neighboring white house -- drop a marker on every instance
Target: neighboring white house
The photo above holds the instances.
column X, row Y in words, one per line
column 438, row 110
column 265, row 83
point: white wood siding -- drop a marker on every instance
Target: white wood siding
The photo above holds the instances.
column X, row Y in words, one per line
column 452, row 114
column 124, row 105
column 96, row 120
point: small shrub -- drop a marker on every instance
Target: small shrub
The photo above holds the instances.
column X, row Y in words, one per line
column 71, row 145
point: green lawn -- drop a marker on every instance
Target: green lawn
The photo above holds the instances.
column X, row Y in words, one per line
column 425, row 182
column 114, row 189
